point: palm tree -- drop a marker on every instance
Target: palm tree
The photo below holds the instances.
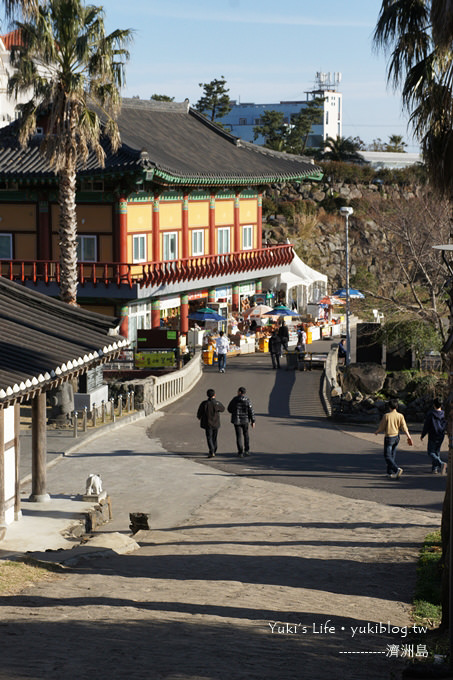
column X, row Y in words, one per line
column 341, row 149
column 396, row 143
column 423, row 68
column 74, row 72
column 27, row 7
column 442, row 21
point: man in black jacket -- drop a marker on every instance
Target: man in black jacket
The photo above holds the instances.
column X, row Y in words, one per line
column 283, row 334
column 275, row 348
column 242, row 414
column 208, row 415
column 435, row 426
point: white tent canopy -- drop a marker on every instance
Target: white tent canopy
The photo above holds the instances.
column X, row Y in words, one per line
column 301, row 283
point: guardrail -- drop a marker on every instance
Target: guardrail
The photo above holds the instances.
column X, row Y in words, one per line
column 151, row 273
column 102, row 413
column 168, row 388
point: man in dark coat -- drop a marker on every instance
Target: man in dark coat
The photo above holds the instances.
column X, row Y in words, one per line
column 208, row 415
column 435, row 426
column 283, row 334
column 275, row 348
column 242, row 414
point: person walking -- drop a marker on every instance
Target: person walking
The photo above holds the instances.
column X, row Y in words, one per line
column 391, row 425
column 275, row 348
column 302, row 339
column 208, row 415
column 342, row 351
column 242, row 414
column 435, row 426
column 283, row 334
column 222, row 344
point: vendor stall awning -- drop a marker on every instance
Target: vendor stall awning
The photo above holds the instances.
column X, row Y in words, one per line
column 300, row 274
column 305, row 272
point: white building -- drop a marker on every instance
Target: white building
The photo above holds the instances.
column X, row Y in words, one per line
column 8, row 110
column 390, row 159
column 243, row 117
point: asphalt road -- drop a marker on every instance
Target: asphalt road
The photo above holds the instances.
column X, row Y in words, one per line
column 293, row 442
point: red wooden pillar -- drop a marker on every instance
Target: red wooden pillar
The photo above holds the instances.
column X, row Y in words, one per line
column 121, row 245
column 155, row 314
column 259, row 224
column 44, row 236
column 212, row 225
column 156, row 230
column 235, row 297
column 237, row 225
column 211, row 296
column 185, row 226
column 184, row 313
column 258, row 287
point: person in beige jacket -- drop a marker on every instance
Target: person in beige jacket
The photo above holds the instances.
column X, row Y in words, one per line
column 391, row 425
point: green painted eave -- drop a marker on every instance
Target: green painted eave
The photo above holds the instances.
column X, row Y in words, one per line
column 157, row 174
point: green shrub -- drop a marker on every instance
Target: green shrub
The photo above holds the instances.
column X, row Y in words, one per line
column 287, row 209
column 269, row 207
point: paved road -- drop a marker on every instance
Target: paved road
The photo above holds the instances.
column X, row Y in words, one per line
column 228, row 555
column 293, row 442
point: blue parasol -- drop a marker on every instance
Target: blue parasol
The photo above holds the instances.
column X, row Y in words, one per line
column 206, row 314
column 353, row 293
column 281, row 310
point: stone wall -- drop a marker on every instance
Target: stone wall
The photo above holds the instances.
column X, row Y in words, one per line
column 318, row 232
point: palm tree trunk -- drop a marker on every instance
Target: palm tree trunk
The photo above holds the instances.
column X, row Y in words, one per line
column 68, row 234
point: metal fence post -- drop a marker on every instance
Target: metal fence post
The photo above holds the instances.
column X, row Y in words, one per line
column 120, row 406
column 93, row 413
column 112, row 405
column 85, row 418
column 103, row 411
column 76, row 415
column 132, row 400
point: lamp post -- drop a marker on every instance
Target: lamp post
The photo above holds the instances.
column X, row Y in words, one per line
column 345, row 211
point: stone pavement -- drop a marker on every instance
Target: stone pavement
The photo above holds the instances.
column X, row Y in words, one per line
column 237, row 578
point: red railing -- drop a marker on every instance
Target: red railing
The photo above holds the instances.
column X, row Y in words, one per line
column 151, row 273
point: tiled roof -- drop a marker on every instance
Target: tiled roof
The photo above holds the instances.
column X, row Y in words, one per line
column 174, row 144
column 12, row 38
column 43, row 341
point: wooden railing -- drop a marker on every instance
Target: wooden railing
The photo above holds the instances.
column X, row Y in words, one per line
column 151, row 273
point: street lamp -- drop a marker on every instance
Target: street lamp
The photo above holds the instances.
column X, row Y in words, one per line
column 346, row 211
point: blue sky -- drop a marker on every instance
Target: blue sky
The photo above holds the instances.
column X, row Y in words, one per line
column 267, row 51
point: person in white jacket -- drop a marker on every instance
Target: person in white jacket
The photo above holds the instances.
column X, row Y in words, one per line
column 221, row 345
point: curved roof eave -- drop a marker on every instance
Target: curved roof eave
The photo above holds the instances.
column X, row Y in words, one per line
column 232, row 180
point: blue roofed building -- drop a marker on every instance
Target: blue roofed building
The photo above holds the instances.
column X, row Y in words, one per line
column 245, row 116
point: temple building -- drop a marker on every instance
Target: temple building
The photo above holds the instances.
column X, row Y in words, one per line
column 172, row 221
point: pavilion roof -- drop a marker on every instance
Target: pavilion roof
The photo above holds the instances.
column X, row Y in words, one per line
column 171, row 144
column 45, row 341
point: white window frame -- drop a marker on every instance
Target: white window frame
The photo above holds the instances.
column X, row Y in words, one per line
column 8, row 237
column 139, row 318
column 222, row 234
column 247, row 237
column 139, row 248
column 197, row 241
column 81, row 240
column 166, row 250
